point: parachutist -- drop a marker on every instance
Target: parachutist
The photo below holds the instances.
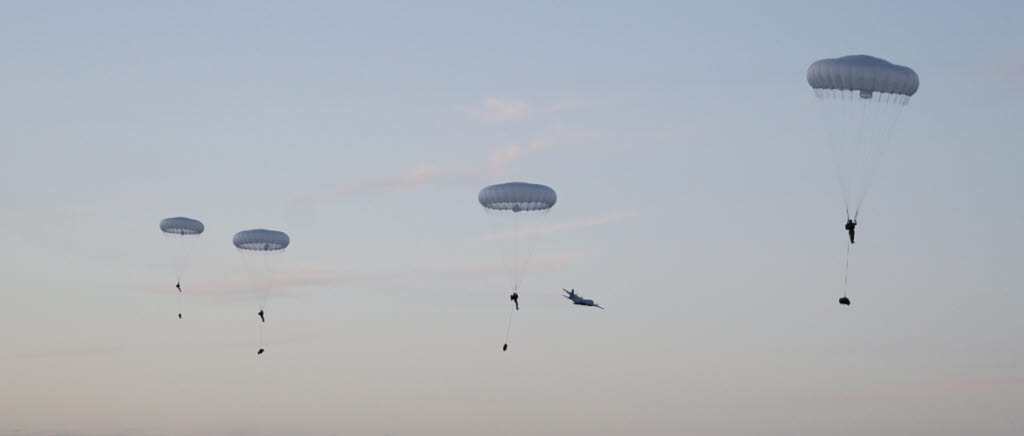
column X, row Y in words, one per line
column 259, row 352
column 850, row 225
column 515, row 299
column 504, row 347
column 179, row 316
column 178, row 286
column 844, row 301
column 261, row 316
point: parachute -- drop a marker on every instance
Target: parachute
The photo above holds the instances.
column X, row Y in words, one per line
column 260, row 250
column 183, row 232
column 515, row 202
column 261, row 240
column 181, row 226
column 517, row 197
column 862, row 98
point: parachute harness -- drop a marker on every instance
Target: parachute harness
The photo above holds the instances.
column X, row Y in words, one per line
column 861, row 133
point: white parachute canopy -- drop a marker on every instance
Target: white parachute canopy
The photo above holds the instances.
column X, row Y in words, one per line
column 862, row 98
column 864, row 74
column 181, row 226
column 261, row 240
column 517, row 197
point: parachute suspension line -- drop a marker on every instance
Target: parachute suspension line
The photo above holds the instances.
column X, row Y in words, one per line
column 529, row 245
column 882, row 139
column 508, row 329
column 833, row 110
column 846, row 269
column 844, row 148
column 867, row 149
column 515, row 252
column 858, row 158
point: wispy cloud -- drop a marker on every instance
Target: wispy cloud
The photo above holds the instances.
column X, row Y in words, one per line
column 284, row 281
column 294, row 279
column 496, row 109
column 571, row 103
column 565, row 225
column 512, row 152
column 419, row 175
column 550, row 262
column 425, row 173
column 1009, row 67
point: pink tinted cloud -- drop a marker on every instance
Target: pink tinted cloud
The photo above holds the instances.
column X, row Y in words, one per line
column 424, row 173
column 1008, row 68
column 420, row 175
column 572, row 103
column 496, row 109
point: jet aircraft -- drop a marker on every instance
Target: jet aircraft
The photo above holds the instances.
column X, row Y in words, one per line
column 576, row 299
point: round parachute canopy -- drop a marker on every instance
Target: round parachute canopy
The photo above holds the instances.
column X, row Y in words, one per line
column 181, row 226
column 261, row 240
column 862, row 73
column 517, row 197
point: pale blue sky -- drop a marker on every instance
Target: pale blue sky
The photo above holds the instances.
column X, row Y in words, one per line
column 695, row 203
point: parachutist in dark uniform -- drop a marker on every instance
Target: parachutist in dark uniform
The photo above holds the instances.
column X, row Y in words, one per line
column 850, row 225
column 259, row 352
column 515, row 299
column 844, row 301
column 504, row 347
column 261, row 315
column 178, row 286
column 179, row 316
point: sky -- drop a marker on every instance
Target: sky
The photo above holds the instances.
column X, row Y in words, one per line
column 696, row 203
